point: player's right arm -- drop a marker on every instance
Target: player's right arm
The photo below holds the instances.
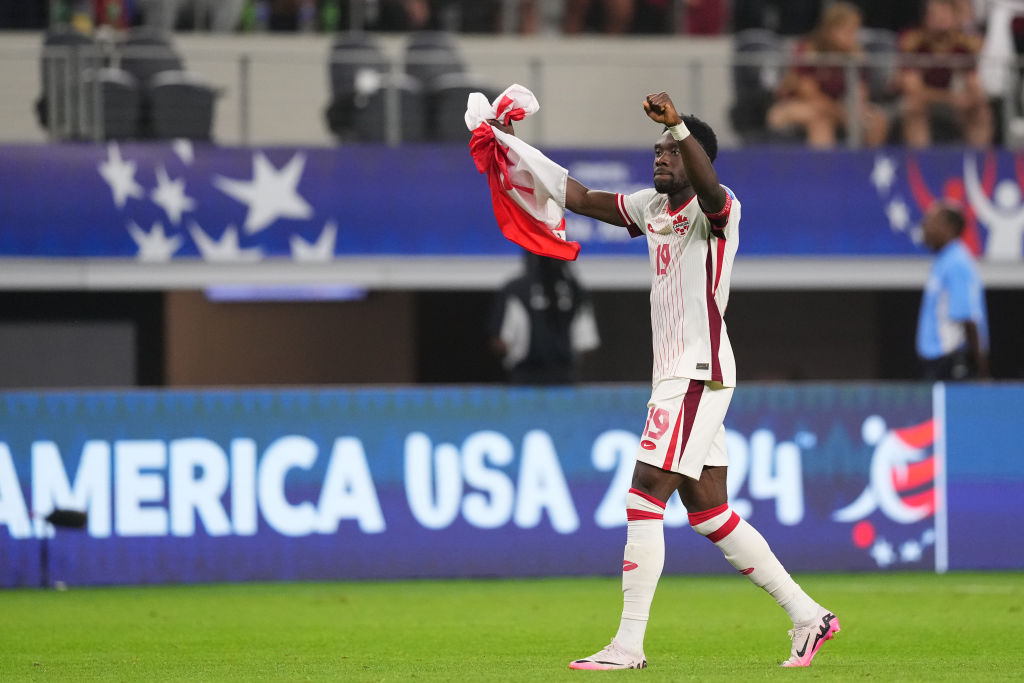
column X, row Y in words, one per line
column 579, row 198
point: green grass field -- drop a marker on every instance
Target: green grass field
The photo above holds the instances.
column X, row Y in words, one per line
column 908, row 627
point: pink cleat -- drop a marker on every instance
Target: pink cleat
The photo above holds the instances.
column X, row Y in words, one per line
column 612, row 657
column 808, row 638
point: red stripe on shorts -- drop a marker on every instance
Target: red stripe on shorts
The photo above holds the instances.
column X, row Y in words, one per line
column 670, row 452
column 687, row 414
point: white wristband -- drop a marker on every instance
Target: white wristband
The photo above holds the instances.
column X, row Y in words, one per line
column 679, row 131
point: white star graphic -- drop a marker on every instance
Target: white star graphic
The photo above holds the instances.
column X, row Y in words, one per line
column 183, row 148
column 170, row 196
column 883, row 174
column 224, row 250
column 910, row 551
column 882, row 553
column 898, row 214
column 271, row 194
column 154, row 246
column 319, row 251
column 928, row 537
column 120, row 176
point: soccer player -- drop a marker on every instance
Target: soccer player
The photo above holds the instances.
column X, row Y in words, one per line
column 959, row 88
column 692, row 227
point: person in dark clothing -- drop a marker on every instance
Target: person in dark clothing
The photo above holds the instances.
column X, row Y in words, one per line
column 541, row 323
column 790, row 18
column 23, row 14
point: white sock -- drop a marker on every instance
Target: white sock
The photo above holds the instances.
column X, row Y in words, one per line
column 747, row 550
column 642, row 563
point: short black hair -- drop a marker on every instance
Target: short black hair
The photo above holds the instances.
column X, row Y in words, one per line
column 704, row 134
column 953, row 215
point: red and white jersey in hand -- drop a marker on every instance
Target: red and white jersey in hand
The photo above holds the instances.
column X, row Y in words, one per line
column 691, row 264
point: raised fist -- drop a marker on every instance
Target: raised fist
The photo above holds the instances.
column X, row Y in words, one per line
column 661, row 110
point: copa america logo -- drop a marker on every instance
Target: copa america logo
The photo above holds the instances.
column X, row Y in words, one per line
column 900, row 489
column 993, row 206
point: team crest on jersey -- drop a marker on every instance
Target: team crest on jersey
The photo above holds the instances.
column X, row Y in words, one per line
column 680, row 224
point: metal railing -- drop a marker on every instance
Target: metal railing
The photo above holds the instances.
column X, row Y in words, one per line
column 74, row 96
column 879, row 73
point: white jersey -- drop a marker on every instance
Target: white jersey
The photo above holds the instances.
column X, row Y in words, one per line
column 691, row 265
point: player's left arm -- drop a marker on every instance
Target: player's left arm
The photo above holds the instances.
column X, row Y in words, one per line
column 976, row 351
column 699, row 171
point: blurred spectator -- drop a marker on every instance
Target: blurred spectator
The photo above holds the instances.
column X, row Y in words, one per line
column 541, row 323
column 220, row 16
column 1003, row 43
column 486, row 16
column 400, row 15
column 890, row 15
column 787, row 17
column 79, row 14
column 930, row 90
column 966, row 18
column 114, row 13
column 812, row 95
column 291, row 15
column 952, row 328
column 23, row 14
column 705, row 17
column 617, row 15
column 655, row 16
column 82, row 16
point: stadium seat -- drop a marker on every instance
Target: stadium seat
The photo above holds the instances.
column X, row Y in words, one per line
column 356, row 67
column 754, row 81
column 175, row 103
column 370, row 121
column 351, row 54
column 66, row 56
column 144, row 54
column 112, row 104
column 881, row 48
column 942, row 121
column 430, row 55
column 447, row 105
column 181, row 106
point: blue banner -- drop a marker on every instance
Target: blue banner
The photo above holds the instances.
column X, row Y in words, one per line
column 158, row 202
column 985, row 443
column 378, row 483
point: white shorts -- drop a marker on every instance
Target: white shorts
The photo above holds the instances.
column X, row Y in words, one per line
column 685, row 430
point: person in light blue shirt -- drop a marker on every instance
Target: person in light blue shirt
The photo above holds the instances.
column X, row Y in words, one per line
column 952, row 329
